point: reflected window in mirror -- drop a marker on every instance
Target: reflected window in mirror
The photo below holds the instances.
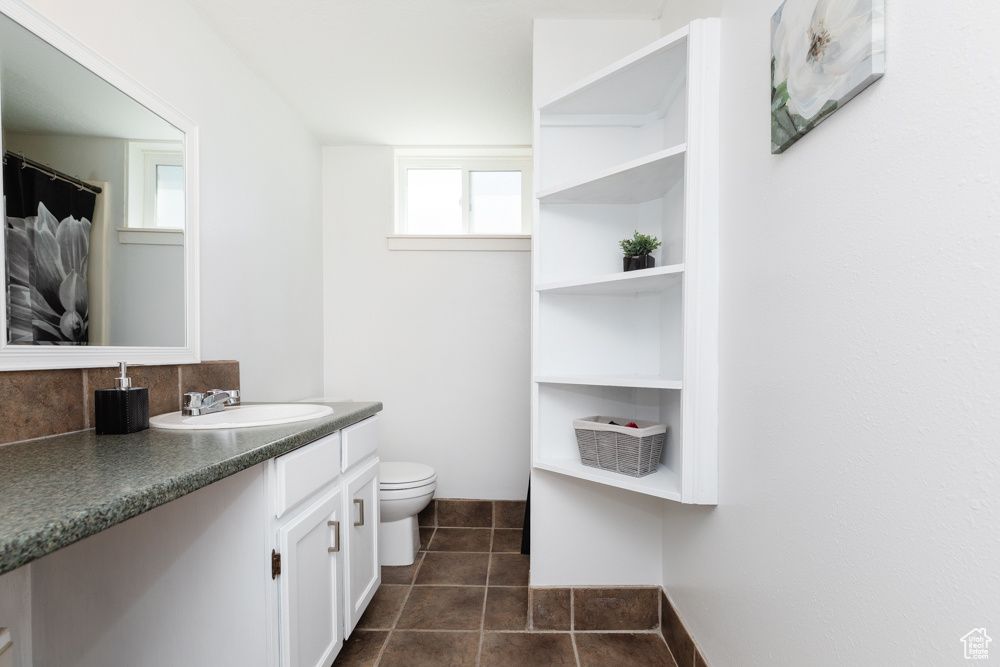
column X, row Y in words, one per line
column 155, row 185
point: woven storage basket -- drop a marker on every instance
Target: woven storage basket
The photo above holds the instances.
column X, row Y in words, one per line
column 616, row 447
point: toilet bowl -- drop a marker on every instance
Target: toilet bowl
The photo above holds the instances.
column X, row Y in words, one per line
column 404, row 490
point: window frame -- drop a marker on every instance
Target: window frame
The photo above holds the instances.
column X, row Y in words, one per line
column 152, row 161
column 466, row 159
column 140, row 210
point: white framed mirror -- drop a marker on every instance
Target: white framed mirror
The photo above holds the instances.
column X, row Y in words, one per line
column 100, row 193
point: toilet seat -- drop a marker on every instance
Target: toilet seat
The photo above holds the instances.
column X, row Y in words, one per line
column 398, row 475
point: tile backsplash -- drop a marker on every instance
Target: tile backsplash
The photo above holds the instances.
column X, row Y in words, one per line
column 34, row 404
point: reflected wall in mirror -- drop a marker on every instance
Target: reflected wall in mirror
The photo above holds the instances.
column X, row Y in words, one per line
column 98, row 233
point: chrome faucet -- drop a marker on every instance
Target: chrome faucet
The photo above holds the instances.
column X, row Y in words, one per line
column 214, row 400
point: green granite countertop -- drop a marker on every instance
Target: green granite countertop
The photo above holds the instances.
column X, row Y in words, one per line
column 58, row 490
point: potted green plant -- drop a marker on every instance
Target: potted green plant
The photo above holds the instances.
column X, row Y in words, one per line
column 637, row 251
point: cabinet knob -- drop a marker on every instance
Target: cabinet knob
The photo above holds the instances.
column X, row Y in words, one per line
column 360, row 502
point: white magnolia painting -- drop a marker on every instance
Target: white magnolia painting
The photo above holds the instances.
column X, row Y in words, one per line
column 823, row 53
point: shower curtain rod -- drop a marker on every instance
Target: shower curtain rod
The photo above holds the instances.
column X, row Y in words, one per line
column 52, row 173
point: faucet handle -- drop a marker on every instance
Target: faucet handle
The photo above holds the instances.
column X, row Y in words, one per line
column 232, row 395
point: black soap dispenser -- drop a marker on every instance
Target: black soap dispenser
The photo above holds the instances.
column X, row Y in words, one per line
column 124, row 409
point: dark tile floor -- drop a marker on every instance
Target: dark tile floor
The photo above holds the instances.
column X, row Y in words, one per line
column 466, row 601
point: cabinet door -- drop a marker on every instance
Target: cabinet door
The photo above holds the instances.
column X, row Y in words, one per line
column 362, row 512
column 311, row 572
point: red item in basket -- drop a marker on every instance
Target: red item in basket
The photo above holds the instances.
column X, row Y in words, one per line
column 631, row 425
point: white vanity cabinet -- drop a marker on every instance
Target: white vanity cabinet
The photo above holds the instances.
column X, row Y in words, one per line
column 324, row 527
column 190, row 582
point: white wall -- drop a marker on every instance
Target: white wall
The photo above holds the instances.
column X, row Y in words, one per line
column 261, row 261
column 147, row 294
column 860, row 363
column 678, row 13
column 441, row 338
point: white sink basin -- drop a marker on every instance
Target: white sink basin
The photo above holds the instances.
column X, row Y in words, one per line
column 240, row 416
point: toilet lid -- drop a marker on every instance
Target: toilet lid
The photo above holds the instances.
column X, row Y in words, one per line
column 403, row 475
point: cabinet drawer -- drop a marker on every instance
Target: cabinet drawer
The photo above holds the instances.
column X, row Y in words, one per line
column 300, row 473
column 360, row 440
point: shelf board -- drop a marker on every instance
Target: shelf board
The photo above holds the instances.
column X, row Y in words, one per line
column 626, row 282
column 634, row 182
column 662, row 484
column 639, row 381
column 636, row 84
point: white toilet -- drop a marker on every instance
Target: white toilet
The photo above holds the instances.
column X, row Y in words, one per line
column 404, row 490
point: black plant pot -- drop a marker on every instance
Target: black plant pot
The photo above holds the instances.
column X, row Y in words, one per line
column 639, row 262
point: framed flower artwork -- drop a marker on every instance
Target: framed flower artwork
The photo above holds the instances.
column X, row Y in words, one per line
column 823, row 53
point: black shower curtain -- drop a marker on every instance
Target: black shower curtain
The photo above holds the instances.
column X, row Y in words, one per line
column 47, row 235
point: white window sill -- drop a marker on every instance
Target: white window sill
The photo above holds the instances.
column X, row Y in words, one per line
column 506, row 242
column 149, row 236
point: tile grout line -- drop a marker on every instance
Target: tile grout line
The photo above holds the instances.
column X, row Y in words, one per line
column 460, row 585
column 520, row 632
column 531, row 607
column 399, row 614
column 659, row 613
column 547, row 632
column 382, row 648
column 86, row 400
column 572, row 611
column 180, row 387
column 486, row 593
column 663, row 635
column 670, row 649
column 572, row 626
column 500, row 528
column 443, row 631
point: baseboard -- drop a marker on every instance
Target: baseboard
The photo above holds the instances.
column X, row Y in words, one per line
column 614, row 609
column 677, row 637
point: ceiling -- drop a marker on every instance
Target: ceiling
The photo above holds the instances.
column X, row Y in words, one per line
column 403, row 72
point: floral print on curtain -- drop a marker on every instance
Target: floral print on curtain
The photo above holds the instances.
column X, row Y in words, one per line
column 46, row 258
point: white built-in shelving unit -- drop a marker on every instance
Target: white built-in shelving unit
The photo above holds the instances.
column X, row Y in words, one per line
column 632, row 147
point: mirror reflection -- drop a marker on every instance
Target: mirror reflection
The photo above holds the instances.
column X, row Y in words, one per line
column 93, row 186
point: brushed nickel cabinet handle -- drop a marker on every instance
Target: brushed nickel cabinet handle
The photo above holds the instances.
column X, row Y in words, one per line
column 336, row 536
column 360, row 502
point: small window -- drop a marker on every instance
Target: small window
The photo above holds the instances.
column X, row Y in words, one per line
column 433, row 202
column 155, row 185
column 496, row 202
column 473, row 195
column 168, row 195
